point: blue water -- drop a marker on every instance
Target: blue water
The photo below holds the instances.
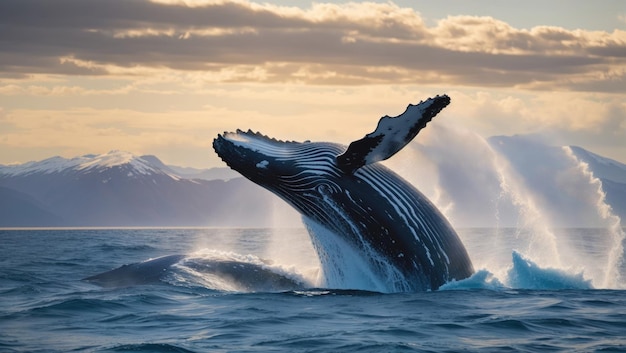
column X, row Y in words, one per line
column 46, row 307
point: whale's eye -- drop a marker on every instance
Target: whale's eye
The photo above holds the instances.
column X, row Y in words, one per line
column 326, row 189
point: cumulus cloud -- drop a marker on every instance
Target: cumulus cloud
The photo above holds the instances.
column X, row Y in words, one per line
column 347, row 44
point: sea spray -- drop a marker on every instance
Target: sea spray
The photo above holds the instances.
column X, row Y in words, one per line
column 523, row 274
column 528, row 275
column 345, row 267
column 292, row 247
column 478, row 188
column 521, row 182
column 541, row 241
column 615, row 256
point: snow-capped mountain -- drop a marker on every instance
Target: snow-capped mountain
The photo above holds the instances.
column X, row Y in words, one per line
column 145, row 165
column 121, row 189
column 82, row 163
column 603, row 168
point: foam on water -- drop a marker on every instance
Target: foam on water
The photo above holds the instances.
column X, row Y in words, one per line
column 482, row 279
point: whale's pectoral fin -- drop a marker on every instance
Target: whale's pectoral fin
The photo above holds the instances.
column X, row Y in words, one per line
column 391, row 135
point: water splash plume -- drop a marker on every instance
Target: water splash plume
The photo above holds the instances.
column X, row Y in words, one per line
column 535, row 195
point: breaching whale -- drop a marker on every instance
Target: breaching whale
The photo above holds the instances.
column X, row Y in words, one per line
column 362, row 218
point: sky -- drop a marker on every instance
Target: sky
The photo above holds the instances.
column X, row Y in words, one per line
column 165, row 77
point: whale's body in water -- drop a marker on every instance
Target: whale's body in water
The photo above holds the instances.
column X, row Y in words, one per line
column 235, row 275
column 359, row 213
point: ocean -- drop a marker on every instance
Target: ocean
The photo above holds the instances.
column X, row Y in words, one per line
column 512, row 304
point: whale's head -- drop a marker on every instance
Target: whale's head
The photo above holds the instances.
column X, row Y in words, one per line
column 278, row 165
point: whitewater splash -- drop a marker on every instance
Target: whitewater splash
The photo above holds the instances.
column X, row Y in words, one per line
column 523, row 274
column 615, row 256
column 237, row 271
column 234, row 272
column 525, row 184
column 345, row 268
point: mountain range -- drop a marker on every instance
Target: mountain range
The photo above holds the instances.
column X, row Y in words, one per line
column 119, row 189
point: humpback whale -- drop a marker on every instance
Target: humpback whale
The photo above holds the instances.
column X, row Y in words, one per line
column 244, row 276
column 362, row 217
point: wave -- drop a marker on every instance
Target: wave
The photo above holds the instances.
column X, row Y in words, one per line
column 232, row 272
column 523, row 274
column 149, row 348
column 482, row 279
column 528, row 275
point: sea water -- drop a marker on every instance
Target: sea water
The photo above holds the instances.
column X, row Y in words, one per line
column 45, row 306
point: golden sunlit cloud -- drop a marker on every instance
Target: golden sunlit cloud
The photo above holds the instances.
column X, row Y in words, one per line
column 249, row 42
column 168, row 75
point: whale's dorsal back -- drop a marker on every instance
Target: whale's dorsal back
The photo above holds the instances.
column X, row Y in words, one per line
column 391, row 135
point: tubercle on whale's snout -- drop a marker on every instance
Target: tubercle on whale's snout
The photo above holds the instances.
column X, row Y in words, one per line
column 232, row 147
column 216, row 144
column 218, row 147
column 225, row 147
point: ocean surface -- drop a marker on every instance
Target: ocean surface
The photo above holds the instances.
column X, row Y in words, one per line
column 514, row 302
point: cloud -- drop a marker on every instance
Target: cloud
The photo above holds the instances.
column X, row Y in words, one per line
column 85, row 77
column 328, row 44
